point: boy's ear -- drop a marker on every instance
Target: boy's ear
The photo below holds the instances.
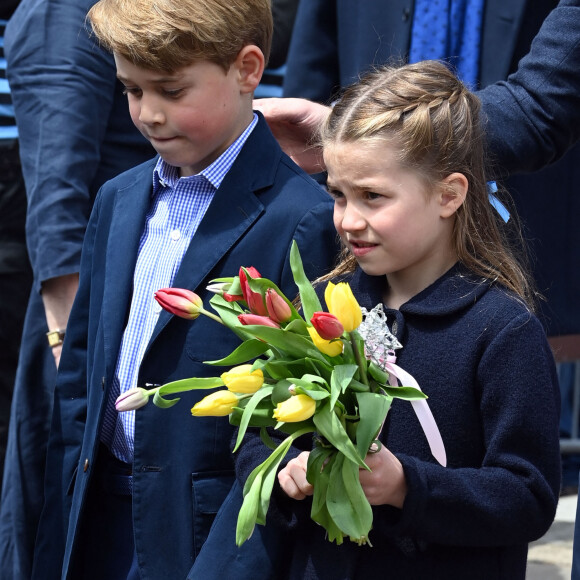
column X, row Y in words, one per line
column 452, row 192
column 250, row 64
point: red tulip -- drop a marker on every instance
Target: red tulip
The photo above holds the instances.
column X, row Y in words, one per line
column 277, row 307
column 254, row 300
column 246, row 319
column 181, row 302
column 327, row 325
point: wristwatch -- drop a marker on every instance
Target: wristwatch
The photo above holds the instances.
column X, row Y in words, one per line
column 55, row 337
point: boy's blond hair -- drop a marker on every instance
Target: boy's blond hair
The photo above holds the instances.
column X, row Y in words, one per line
column 166, row 35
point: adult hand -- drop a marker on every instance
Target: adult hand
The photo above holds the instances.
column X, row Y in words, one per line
column 294, row 123
column 292, row 478
column 58, row 295
column 385, row 483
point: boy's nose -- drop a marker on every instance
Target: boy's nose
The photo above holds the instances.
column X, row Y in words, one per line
column 149, row 112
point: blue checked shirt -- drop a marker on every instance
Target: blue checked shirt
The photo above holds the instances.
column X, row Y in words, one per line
column 177, row 208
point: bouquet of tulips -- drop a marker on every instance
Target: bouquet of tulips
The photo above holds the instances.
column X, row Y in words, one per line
column 296, row 374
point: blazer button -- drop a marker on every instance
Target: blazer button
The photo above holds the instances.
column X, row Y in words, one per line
column 86, row 465
column 406, row 14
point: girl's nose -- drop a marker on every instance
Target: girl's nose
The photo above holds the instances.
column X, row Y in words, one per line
column 351, row 218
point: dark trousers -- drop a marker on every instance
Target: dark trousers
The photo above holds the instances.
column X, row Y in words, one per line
column 106, row 545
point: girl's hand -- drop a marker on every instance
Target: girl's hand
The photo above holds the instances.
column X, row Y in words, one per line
column 292, row 478
column 385, row 483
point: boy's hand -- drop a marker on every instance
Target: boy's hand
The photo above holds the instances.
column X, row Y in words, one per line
column 292, row 478
column 385, row 483
column 294, row 123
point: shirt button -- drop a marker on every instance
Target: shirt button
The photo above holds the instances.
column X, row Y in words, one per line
column 156, row 307
column 175, row 235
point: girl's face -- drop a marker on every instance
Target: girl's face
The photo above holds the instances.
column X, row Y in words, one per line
column 393, row 223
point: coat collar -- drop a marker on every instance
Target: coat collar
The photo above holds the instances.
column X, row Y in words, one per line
column 456, row 290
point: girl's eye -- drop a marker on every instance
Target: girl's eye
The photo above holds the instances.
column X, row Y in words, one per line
column 372, row 195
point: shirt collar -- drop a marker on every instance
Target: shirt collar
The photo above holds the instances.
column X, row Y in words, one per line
column 165, row 175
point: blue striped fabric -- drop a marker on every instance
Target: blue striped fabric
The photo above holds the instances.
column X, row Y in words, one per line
column 177, row 207
column 8, row 130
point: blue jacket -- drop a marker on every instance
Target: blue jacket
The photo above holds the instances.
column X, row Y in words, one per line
column 484, row 362
column 183, row 468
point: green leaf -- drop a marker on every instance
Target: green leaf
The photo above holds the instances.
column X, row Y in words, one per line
column 297, row 326
column 248, row 410
column 182, row 386
column 162, row 403
column 407, row 393
column 266, row 439
column 341, row 378
column 308, row 297
column 248, row 350
column 330, row 427
column 293, row 345
column 249, row 510
column 281, row 392
column 378, row 373
column 261, row 417
column 346, row 501
column 372, row 408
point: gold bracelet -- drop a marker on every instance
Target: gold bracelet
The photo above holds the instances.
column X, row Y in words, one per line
column 55, row 337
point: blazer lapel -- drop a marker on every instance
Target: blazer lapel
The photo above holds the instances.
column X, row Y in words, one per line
column 130, row 208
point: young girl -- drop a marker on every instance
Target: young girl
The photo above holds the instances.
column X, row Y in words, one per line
column 404, row 154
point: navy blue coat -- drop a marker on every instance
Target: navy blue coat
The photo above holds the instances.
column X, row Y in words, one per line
column 336, row 40
column 484, row 361
column 183, row 467
column 75, row 133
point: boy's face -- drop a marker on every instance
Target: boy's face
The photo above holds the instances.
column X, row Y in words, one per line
column 190, row 116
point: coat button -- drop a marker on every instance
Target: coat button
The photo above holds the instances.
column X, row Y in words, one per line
column 406, row 14
column 86, row 465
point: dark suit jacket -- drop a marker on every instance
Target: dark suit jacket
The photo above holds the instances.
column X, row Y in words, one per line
column 336, row 40
column 183, row 466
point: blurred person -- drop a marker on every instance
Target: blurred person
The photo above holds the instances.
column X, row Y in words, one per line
column 75, row 133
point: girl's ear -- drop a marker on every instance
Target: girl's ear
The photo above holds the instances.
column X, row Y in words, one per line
column 452, row 192
column 250, row 64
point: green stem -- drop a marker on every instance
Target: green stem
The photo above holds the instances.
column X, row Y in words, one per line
column 359, row 361
column 210, row 315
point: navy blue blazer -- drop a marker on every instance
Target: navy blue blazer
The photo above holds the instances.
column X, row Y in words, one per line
column 183, row 467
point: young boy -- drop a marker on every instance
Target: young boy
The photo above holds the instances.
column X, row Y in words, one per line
column 133, row 495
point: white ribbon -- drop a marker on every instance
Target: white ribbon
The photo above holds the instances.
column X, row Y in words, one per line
column 420, row 407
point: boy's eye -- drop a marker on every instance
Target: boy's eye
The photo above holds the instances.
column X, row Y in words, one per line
column 135, row 91
column 334, row 193
column 172, row 93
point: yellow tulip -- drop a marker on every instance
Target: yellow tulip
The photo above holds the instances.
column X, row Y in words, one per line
column 341, row 302
column 242, row 379
column 218, row 404
column 333, row 348
column 296, row 408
